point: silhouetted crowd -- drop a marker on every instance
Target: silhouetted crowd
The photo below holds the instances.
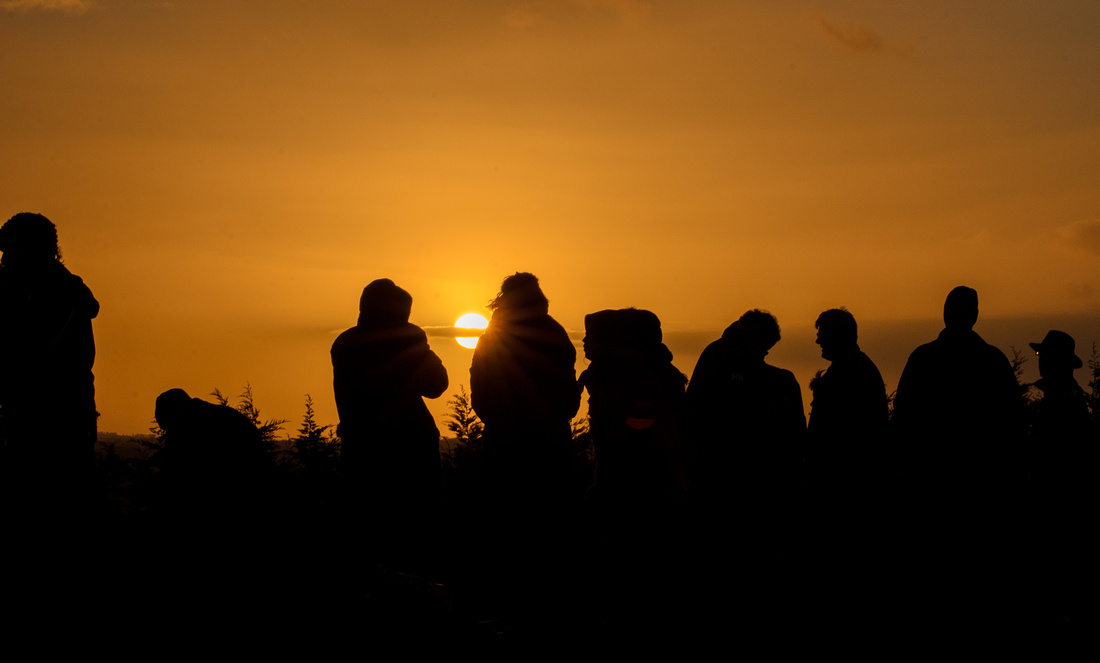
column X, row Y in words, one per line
column 716, row 509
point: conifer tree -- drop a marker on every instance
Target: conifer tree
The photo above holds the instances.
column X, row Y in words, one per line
column 462, row 421
column 315, row 445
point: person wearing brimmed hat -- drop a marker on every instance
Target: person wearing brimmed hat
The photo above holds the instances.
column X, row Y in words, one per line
column 1063, row 411
column 1057, row 351
column 1063, row 455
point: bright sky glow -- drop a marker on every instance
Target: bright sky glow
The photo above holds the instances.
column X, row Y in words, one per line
column 470, row 321
column 226, row 176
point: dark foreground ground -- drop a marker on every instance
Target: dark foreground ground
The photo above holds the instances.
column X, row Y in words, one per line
column 297, row 572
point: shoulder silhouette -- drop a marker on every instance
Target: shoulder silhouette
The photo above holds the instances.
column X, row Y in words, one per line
column 848, row 414
column 523, row 386
column 958, row 389
column 747, row 415
column 957, row 416
column 47, row 393
column 635, row 398
column 1063, row 455
column 382, row 369
column 523, row 372
column 204, row 438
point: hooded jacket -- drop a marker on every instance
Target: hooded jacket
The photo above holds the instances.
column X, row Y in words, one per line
column 382, row 369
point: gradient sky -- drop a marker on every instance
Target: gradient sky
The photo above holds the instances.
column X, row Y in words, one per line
column 227, row 175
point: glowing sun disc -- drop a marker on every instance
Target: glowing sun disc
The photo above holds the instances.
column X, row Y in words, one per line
column 470, row 321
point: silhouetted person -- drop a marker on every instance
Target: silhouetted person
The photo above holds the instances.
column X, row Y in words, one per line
column 523, row 386
column 382, row 370
column 635, row 402
column 213, row 456
column 845, row 478
column 1063, row 465
column 1061, row 416
column 957, row 403
column 47, row 395
column 748, row 434
column 212, row 525
column 848, row 414
column 957, row 418
column 749, row 425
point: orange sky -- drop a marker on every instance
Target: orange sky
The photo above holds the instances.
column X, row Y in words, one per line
column 227, row 175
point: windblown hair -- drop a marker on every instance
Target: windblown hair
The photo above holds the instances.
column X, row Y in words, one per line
column 518, row 291
column 31, row 235
column 761, row 325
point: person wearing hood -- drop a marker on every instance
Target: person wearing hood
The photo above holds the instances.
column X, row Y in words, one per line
column 382, row 369
column 47, row 392
column 635, row 403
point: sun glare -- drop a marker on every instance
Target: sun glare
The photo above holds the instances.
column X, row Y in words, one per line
column 470, row 321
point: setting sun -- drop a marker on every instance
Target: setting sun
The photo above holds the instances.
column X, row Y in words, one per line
column 470, row 321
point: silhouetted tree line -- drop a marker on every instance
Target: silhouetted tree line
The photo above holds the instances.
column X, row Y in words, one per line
column 700, row 509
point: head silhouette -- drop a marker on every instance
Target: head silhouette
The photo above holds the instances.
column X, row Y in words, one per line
column 960, row 310
column 171, row 408
column 620, row 329
column 757, row 332
column 29, row 237
column 520, row 291
column 603, row 332
column 836, row 331
column 1057, row 355
column 383, row 302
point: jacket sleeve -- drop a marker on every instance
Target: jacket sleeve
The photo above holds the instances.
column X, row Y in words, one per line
column 431, row 375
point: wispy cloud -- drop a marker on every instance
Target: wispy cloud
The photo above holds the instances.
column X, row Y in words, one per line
column 538, row 12
column 1081, row 290
column 856, row 37
column 1084, row 234
column 632, row 12
column 451, row 332
column 67, row 6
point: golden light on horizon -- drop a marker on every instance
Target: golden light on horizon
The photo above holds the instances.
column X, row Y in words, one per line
column 847, row 144
column 470, row 321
